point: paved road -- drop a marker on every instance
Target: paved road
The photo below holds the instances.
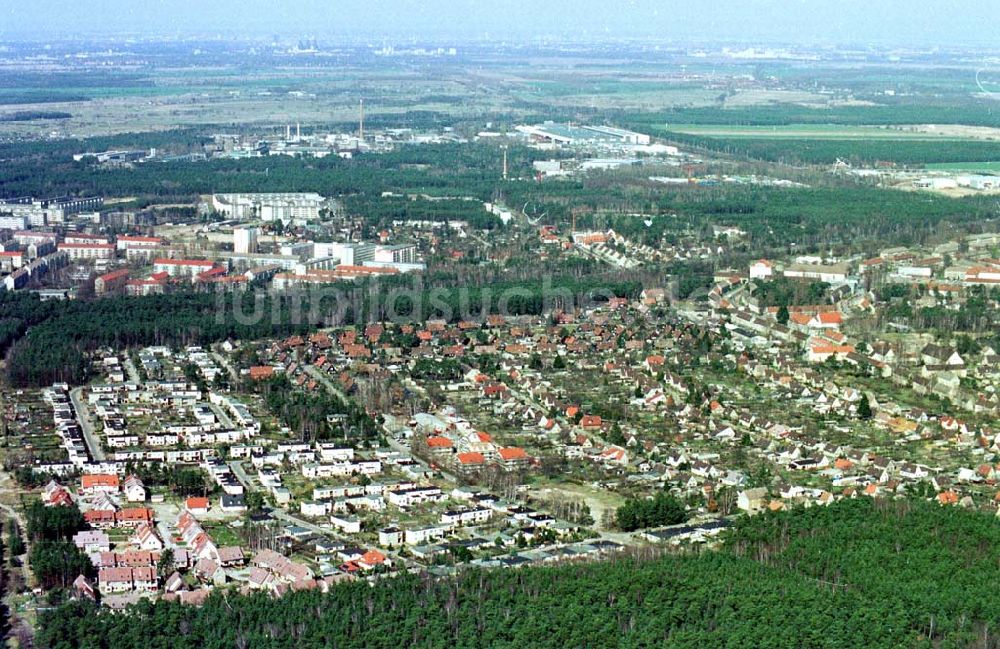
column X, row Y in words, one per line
column 7, row 483
column 221, row 415
column 16, row 621
column 315, row 372
column 166, row 534
column 283, row 515
column 241, row 475
column 133, row 374
column 224, row 362
column 83, row 416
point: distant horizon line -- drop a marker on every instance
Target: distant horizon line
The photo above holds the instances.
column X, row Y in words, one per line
column 355, row 37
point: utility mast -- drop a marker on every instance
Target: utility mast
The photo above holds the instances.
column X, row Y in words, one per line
column 361, row 120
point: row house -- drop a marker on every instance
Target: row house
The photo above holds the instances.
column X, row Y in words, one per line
column 282, row 568
column 91, row 541
column 129, row 517
column 122, row 441
column 333, row 453
column 315, row 508
column 362, row 467
column 122, row 580
column 162, row 439
column 415, row 496
column 458, row 517
column 346, row 523
column 146, row 538
column 351, row 490
column 91, row 484
column 370, row 502
column 421, row 535
column 245, row 451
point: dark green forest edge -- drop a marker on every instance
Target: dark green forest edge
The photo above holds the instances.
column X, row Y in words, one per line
column 859, row 573
column 48, row 341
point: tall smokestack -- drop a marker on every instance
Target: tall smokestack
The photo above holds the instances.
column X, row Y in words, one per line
column 361, row 120
column 288, row 131
column 505, row 163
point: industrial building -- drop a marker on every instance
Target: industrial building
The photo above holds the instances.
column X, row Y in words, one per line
column 573, row 135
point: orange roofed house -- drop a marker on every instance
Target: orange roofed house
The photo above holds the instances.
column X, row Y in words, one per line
column 471, row 460
column 94, row 484
column 261, row 372
column 439, row 444
column 821, row 320
column 820, row 350
column 513, row 456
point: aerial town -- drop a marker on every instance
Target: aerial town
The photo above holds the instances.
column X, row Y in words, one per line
column 556, row 343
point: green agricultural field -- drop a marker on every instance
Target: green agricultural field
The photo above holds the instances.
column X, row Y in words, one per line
column 987, row 168
column 966, row 110
column 804, row 131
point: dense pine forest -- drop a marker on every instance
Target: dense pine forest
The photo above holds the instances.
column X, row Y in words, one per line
column 48, row 341
column 858, row 573
column 830, row 212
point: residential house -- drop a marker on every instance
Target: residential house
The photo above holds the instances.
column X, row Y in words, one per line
column 134, row 490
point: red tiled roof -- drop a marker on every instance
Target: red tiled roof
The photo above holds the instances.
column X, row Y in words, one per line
column 100, row 480
column 113, row 275
column 261, row 372
column 212, row 272
column 99, row 246
column 139, row 239
column 513, row 453
column 183, row 262
column 373, row 558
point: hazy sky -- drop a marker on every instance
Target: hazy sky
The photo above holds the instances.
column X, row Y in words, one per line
column 809, row 21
